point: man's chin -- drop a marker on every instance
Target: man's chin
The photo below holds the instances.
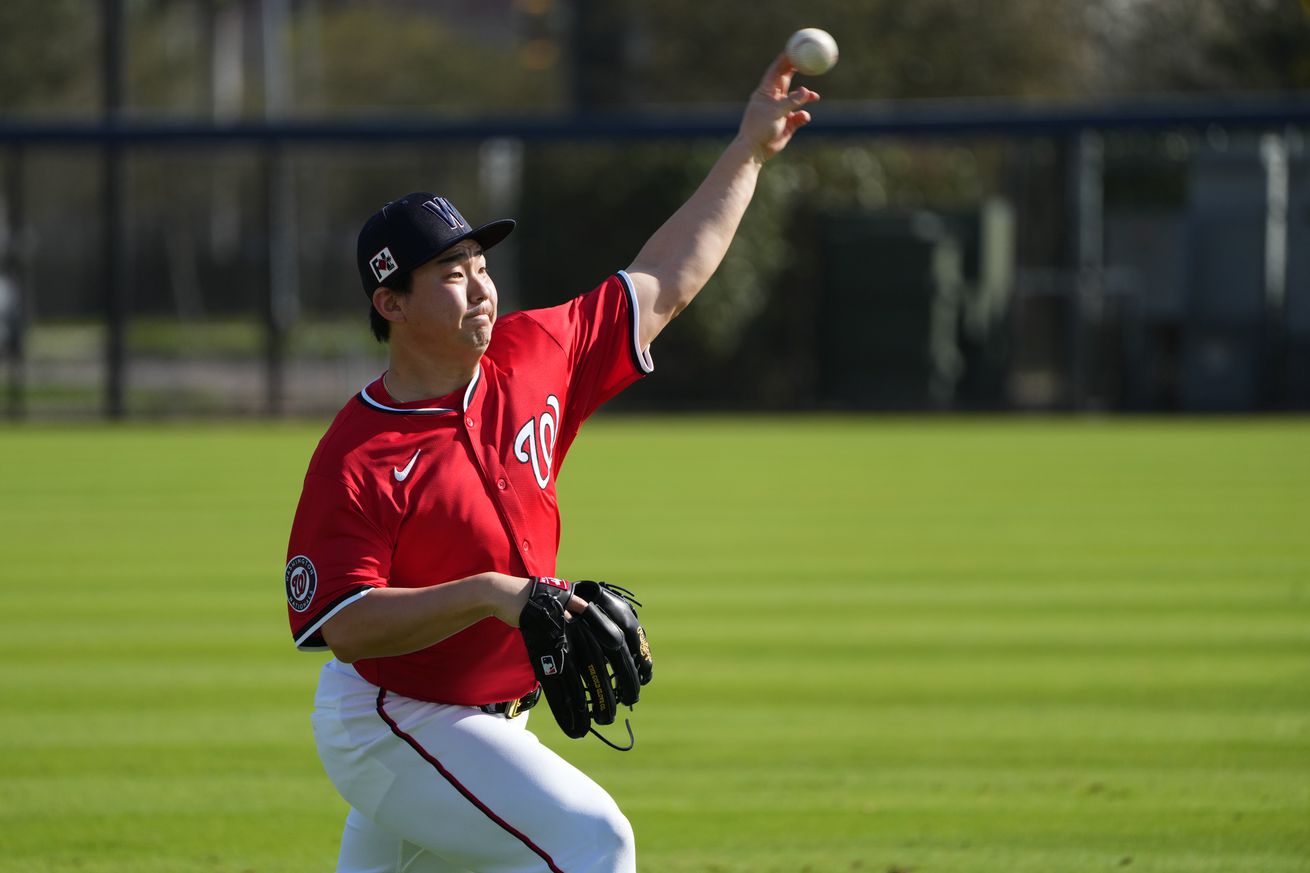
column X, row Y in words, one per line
column 482, row 337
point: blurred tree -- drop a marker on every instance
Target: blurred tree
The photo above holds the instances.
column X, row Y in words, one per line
column 44, row 61
column 411, row 58
column 587, row 209
column 603, row 46
column 747, row 327
column 1213, row 45
column 890, row 49
column 540, row 55
column 165, row 53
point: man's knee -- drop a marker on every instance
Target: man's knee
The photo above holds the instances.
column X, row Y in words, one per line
column 620, row 838
column 608, row 846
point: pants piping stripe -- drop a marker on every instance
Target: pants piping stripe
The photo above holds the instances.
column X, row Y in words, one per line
column 455, row 783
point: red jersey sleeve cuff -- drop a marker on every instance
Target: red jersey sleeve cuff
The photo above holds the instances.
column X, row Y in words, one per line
column 640, row 356
column 310, row 637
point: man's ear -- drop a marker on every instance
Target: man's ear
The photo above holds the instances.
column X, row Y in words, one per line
column 389, row 304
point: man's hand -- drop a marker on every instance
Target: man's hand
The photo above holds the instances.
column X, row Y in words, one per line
column 774, row 112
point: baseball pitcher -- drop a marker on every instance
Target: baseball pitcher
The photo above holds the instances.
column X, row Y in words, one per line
column 422, row 553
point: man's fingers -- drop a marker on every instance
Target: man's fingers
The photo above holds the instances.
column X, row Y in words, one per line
column 801, row 96
column 777, row 78
column 775, row 111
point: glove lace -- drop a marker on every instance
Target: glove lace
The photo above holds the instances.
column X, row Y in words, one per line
column 622, row 592
column 632, row 740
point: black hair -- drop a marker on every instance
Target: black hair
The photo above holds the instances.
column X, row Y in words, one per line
column 381, row 327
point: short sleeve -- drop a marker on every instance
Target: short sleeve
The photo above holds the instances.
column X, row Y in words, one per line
column 600, row 333
column 336, row 556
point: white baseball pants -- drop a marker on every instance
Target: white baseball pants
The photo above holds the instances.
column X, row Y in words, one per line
column 435, row 788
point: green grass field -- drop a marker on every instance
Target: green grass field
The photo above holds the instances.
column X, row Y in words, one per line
column 881, row 645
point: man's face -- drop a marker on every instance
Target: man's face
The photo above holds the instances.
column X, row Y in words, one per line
column 453, row 300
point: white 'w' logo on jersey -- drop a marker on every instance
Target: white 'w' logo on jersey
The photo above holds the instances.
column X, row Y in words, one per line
column 535, row 442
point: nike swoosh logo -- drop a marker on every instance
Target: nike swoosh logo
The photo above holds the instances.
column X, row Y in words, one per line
column 402, row 475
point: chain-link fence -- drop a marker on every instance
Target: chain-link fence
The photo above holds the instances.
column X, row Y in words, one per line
column 181, row 183
column 1153, row 266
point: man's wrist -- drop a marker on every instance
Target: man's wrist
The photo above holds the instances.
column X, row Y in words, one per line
column 506, row 596
column 742, row 150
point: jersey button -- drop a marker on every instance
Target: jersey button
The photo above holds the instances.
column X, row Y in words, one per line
column 470, row 422
column 502, row 484
column 526, row 545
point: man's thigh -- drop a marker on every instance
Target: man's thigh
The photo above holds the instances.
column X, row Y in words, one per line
column 483, row 794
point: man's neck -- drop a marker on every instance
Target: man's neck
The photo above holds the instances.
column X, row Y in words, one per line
column 414, row 377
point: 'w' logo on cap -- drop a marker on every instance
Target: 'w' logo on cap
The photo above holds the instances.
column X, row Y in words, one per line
column 440, row 207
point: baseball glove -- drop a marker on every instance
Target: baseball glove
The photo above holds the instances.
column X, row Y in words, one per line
column 587, row 663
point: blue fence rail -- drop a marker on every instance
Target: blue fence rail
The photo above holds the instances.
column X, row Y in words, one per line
column 900, row 119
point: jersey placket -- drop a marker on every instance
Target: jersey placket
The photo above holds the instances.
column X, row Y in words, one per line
column 486, row 444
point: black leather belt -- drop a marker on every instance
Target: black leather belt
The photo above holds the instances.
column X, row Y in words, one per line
column 513, row 708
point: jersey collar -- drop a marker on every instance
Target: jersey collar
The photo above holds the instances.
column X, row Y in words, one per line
column 469, row 393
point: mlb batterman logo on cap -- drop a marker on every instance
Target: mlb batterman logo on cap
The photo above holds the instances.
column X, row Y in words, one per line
column 410, row 231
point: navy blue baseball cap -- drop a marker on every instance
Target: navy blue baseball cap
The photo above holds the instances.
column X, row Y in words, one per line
column 410, row 231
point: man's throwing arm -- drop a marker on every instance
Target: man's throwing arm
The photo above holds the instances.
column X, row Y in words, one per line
column 677, row 261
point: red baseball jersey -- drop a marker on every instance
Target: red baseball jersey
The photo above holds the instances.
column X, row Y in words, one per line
column 416, row 494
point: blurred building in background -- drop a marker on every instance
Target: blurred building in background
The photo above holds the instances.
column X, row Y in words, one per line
column 1036, row 205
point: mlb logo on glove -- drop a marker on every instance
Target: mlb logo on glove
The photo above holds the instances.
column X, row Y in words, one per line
column 548, row 665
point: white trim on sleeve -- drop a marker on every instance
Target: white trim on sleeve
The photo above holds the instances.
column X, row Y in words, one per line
column 313, row 628
column 640, row 355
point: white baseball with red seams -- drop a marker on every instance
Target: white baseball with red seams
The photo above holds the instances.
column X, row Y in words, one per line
column 812, row 51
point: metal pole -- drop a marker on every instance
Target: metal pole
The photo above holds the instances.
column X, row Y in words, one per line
column 1086, row 161
column 281, row 303
column 283, row 280
column 15, row 270
column 1274, row 154
column 114, row 236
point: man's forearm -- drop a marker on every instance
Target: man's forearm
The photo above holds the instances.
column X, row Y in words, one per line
column 396, row 621
column 680, row 257
column 687, row 249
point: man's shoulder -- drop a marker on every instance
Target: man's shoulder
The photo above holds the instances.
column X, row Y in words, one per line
column 552, row 324
column 520, row 332
column 350, row 436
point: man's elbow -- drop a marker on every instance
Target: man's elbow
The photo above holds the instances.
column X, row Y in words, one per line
column 343, row 638
column 344, row 652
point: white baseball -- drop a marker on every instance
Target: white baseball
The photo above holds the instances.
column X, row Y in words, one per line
column 812, row 51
